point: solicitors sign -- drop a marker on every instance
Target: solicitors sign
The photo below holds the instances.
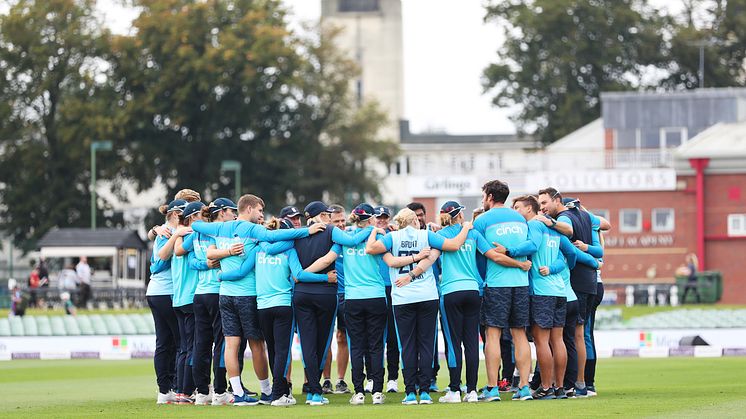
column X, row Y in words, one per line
column 604, row 180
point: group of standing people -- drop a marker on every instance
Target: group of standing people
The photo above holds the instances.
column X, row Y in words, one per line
column 223, row 279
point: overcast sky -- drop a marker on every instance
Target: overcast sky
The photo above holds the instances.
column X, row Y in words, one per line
column 446, row 47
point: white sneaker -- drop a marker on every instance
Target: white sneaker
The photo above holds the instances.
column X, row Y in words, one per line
column 369, row 386
column 378, row 398
column 283, row 401
column 202, row 399
column 292, row 399
column 222, row 399
column 167, row 398
column 471, row 397
column 451, row 397
column 392, row 386
column 358, row 398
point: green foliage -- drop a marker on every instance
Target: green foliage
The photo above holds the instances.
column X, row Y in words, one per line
column 204, row 82
column 560, row 54
column 198, row 83
column 721, row 29
column 49, row 114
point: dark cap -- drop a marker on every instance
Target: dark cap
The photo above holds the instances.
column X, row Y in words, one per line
column 286, row 224
column 315, row 208
column 381, row 211
column 289, row 212
column 570, row 202
column 451, row 208
column 177, row 205
column 192, row 208
column 363, row 211
column 221, row 204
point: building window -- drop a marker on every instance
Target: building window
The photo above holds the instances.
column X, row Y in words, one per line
column 630, row 220
column 673, row 137
column 737, row 224
column 663, row 219
column 604, row 213
column 358, row 6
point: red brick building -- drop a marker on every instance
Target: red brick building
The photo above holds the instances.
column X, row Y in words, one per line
column 668, row 170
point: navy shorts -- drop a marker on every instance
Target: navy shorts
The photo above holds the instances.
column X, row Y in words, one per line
column 548, row 311
column 585, row 305
column 240, row 317
column 341, row 325
column 505, row 307
column 571, row 314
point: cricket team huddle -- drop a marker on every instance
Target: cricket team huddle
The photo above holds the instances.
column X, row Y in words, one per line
column 222, row 279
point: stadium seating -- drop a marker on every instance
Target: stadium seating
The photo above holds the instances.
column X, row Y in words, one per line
column 81, row 325
column 43, row 325
column 4, row 327
column 673, row 319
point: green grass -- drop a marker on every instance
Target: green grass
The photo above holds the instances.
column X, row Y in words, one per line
column 675, row 387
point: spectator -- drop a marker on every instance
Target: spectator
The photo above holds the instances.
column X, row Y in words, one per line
column 67, row 279
column 34, row 281
column 84, row 279
column 690, row 271
column 18, row 302
column 43, row 273
column 67, row 304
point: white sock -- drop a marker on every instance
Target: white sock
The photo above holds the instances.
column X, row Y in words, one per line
column 265, row 386
column 236, row 386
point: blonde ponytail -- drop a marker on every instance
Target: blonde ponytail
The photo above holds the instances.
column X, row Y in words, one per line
column 274, row 224
column 404, row 218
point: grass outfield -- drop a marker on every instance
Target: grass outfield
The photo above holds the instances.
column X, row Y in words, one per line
column 678, row 387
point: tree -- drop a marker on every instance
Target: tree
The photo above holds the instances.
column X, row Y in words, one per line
column 721, row 31
column 560, row 54
column 48, row 114
column 202, row 82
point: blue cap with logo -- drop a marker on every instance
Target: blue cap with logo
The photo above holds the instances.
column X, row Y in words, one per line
column 221, row 204
column 381, row 211
column 364, row 211
column 192, row 208
column 315, row 208
column 289, row 212
column 451, row 208
column 177, row 205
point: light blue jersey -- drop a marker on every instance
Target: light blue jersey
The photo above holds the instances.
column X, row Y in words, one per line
column 161, row 282
column 208, row 278
column 274, row 272
column 459, row 268
column 185, row 278
column 507, row 227
column 361, row 272
column 409, row 242
column 248, row 233
column 547, row 242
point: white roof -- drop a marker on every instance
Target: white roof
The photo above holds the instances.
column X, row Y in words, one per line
column 723, row 140
column 587, row 137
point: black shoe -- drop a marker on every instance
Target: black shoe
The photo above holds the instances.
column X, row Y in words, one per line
column 543, row 394
column 327, row 387
column 560, row 393
column 570, row 393
column 341, row 387
column 306, row 389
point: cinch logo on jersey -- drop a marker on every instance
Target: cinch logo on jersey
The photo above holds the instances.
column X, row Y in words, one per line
column 352, row 251
column 466, row 247
column 553, row 242
column 263, row 259
column 509, row 228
